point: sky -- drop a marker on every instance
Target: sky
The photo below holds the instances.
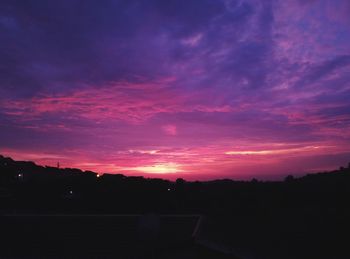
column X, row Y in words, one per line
column 198, row 89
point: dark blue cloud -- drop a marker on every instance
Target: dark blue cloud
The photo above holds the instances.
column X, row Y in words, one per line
column 57, row 44
column 315, row 73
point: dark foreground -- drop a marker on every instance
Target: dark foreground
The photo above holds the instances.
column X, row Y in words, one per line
column 101, row 236
column 46, row 212
column 175, row 236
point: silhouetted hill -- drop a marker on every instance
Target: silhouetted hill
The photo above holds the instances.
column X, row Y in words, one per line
column 27, row 187
column 296, row 218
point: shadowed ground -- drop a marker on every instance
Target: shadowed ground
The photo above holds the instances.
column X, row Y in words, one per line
column 101, row 236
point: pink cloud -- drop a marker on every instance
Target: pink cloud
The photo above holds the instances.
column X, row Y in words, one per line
column 170, row 129
column 133, row 103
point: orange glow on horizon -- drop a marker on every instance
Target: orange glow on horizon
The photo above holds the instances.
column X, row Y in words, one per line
column 209, row 162
column 162, row 168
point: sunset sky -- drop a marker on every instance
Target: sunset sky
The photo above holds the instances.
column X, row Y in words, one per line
column 199, row 89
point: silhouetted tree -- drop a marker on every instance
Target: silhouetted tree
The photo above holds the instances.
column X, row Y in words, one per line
column 254, row 180
column 289, row 178
column 180, row 182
